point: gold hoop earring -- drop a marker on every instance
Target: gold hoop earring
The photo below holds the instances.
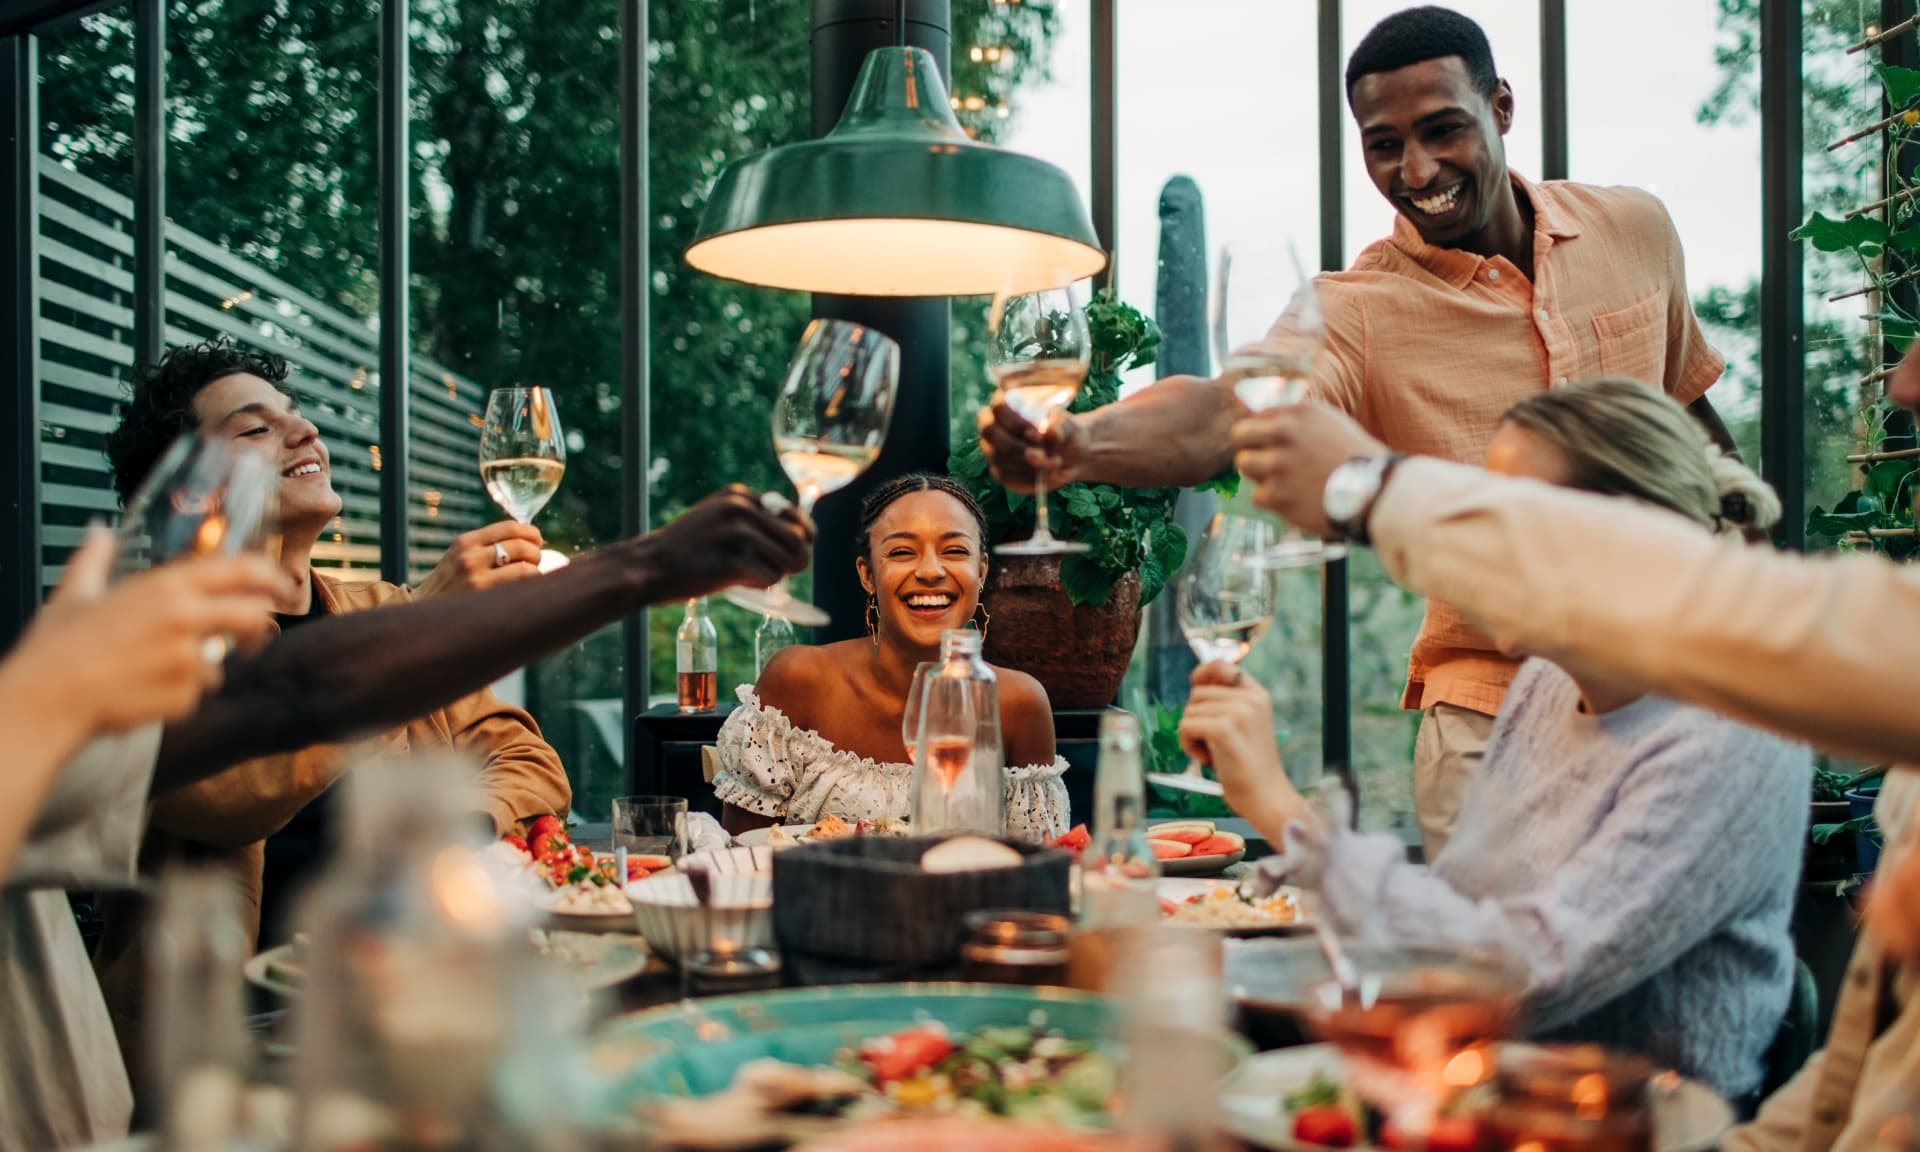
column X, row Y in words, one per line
column 985, row 618
column 873, row 618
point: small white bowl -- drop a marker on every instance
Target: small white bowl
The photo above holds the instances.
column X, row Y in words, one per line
column 740, row 913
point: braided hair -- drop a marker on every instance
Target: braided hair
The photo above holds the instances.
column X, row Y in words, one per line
column 881, row 498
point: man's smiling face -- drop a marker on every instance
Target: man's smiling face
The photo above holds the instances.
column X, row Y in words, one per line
column 1432, row 142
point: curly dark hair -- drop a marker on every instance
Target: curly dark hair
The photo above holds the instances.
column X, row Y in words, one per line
column 159, row 406
column 881, row 498
column 1425, row 33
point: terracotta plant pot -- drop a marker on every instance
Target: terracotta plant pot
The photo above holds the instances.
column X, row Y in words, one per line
column 1079, row 654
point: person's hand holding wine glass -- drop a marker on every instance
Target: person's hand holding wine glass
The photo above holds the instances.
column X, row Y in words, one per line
column 1038, row 352
column 523, row 456
column 1269, row 334
column 829, row 422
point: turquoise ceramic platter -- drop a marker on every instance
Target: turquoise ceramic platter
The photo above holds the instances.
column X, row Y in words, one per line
column 677, row 1051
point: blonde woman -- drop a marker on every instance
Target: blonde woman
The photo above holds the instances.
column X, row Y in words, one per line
column 1639, row 856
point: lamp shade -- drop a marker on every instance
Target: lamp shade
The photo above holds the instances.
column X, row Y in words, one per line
column 896, row 201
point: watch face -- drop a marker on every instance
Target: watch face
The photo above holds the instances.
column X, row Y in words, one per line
column 1347, row 490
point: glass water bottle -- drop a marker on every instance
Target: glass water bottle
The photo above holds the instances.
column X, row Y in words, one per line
column 959, row 776
column 696, row 659
column 199, row 1042
column 1119, row 874
column 773, row 634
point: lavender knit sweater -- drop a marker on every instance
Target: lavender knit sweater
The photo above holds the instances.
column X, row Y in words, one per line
column 1642, row 863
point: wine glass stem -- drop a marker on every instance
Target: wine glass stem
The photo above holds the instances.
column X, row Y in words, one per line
column 1040, row 531
column 809, row 496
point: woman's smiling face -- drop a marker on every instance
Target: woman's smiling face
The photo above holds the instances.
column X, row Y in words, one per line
column 924, row 567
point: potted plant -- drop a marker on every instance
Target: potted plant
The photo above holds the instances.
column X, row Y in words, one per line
column 1071, row 621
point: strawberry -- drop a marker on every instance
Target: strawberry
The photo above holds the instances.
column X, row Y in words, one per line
column 546, row 823
column 518, row 841
column 547, row 845
column 1327, row 1125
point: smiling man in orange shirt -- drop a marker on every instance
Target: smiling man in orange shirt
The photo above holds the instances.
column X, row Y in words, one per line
column 1490, row 289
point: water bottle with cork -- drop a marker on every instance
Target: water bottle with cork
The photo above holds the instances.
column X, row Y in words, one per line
column 1119, row 875
column 959, row 769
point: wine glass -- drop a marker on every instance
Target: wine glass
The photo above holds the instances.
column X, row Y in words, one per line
column 205, row 497
column 828, row 425
column 523, row 455
column 1038, row 351
column 1268, row 333
column 910, row 718
column 1225, row 601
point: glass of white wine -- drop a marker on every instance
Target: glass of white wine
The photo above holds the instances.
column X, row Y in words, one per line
column 1268, row 333
column 523, row 455
column 1038, row 351
column 828, row 425
column 1225, row 601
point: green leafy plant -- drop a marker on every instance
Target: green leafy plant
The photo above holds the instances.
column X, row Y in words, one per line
column 1127, row 529
column 1161, row 728
column 1878, row 513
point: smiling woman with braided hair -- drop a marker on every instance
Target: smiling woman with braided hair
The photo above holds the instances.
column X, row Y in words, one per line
column 819, row 733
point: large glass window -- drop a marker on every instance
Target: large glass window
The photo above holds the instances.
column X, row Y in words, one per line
column 1224, row 155
column 516, row 282
column 1694, row 141
column 86, row 270
column 272, row 238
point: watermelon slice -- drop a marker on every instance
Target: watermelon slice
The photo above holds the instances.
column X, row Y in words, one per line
column 1220, row 844
column 1169, row 849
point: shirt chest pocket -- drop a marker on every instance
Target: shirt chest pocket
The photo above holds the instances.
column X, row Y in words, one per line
column 1632, row 341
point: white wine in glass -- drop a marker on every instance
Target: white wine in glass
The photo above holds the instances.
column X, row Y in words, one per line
column 828, row 425
column 1268, row 334
column 1038, row 350
column 523, row 455
column 1225, row 601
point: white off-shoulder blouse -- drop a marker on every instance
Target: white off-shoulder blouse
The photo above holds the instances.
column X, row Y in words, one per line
column 769, row 765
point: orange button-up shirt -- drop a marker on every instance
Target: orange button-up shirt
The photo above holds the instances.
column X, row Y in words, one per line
column 1428, row 347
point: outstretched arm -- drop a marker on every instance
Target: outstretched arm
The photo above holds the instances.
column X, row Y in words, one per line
column 1173, row 434
column 373, row 670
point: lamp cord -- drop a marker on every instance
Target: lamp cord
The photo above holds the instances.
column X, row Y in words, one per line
column 900, row 21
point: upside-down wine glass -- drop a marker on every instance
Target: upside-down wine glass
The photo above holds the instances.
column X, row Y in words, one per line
column 1268, row 333
column 1225, row 601
column 523, row 455
column 828, row 425
column 1038, row 351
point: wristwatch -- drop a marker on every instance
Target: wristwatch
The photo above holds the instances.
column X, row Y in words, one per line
column 1351, row 491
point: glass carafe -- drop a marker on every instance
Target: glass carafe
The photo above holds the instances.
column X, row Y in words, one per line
column 198, row 1035
column 959, row 771
column 1119, row 874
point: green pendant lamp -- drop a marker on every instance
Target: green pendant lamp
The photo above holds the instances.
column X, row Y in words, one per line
column 897, row 200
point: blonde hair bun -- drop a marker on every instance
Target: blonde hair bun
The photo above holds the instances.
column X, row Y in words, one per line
column 1747, row 503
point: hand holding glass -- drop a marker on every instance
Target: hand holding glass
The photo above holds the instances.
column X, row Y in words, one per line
column 1038, row 351
column 1225, row 601
column 828, row 424
column 523, row 455
column 1268, row 333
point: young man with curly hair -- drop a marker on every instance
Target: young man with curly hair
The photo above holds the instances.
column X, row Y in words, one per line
column 269, row 820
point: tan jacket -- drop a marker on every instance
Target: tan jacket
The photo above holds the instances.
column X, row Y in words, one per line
column 1819, row 649
column 224, row 819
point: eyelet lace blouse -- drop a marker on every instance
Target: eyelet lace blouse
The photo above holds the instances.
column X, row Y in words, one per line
column 769, row 765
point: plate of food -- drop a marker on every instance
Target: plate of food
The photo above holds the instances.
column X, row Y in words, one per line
column 572, row 885
column 828, row 827
column 1297, row 1100
column 1222, row 904
column 1194, row 848
column 781, row 1066
column 597, row 960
